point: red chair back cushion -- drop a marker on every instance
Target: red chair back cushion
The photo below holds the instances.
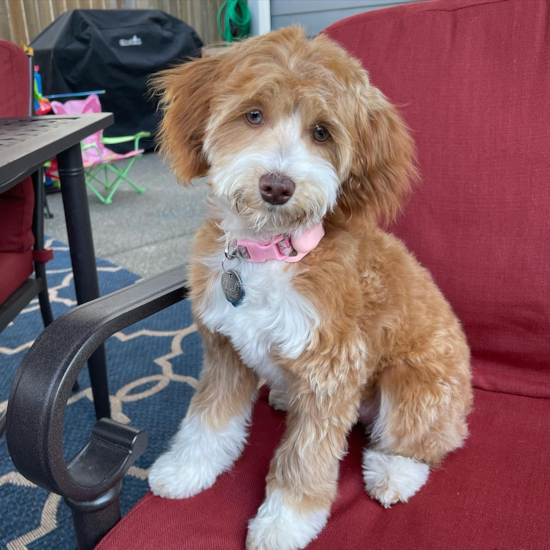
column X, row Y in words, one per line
column 473, row 81
column 16, row 204
column 14, row 85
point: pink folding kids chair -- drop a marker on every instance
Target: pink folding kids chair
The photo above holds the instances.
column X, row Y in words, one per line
column 95, row 156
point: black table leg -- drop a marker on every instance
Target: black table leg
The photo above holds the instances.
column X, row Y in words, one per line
column 81, row 244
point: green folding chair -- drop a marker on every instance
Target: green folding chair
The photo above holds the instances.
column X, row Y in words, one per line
column 98, row 160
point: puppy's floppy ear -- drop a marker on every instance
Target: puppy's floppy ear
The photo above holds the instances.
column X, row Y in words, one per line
column 382, row 164
column 185, row 94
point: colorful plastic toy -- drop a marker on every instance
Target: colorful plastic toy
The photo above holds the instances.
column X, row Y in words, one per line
column 42, row 104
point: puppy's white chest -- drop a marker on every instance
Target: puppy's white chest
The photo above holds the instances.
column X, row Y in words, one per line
column 273, row 316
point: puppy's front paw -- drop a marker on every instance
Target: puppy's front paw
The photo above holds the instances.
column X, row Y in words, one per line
column 197, row 457
column 170, row 477
column 392, row 478
column 280, row 527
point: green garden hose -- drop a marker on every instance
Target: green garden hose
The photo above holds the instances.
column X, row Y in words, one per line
column 236, row 20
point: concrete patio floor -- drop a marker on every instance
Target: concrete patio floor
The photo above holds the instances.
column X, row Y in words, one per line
column 146, row 234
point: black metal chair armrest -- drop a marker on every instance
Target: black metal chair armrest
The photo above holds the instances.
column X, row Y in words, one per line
column 90, row 482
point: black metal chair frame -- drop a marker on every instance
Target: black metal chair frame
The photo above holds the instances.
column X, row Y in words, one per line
column 91, row 482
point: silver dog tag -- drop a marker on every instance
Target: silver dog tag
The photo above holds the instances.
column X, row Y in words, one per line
column 232, row 286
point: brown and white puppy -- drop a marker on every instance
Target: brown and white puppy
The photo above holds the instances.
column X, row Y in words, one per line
column 355, row 328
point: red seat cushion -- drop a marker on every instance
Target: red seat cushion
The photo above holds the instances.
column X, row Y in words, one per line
column 15, row 269
column 494, row 493
column 472, row 78
column 16, row 210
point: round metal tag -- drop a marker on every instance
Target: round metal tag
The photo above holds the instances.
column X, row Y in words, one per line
column 232, row 286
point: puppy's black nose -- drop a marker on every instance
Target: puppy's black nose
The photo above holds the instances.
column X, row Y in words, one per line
column 276, row 189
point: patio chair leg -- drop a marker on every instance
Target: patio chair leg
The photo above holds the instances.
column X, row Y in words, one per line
column 112, row 186
column 45, row 307
column 94, row 519
column 123, row 175
column 48, row 213
column 139, row 189
column 109, row 199
column 45, row 304
column 89, row 175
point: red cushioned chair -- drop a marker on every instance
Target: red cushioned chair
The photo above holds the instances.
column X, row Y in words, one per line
column 473, row 80
column 21, row 209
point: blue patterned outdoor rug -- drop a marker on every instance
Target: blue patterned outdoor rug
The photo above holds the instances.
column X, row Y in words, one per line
column 153, row 368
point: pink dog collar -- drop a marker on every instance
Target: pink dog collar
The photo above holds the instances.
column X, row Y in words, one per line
column 281, row 247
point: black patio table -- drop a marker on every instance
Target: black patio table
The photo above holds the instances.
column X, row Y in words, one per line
column 25, row 145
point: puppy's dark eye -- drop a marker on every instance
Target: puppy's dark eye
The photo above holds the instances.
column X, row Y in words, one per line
column 320, row 134
column 255, row 117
